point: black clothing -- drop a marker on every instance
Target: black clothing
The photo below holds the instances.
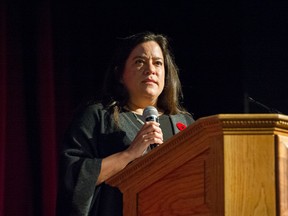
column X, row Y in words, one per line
column 93, row 135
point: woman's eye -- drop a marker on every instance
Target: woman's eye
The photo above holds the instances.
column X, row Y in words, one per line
column 159, row 63
column 139, row 61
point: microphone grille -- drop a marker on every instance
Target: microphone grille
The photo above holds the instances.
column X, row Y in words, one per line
column 150, row 111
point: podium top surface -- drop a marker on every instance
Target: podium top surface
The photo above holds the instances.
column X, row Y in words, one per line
column 255, row 116
column 269, row 120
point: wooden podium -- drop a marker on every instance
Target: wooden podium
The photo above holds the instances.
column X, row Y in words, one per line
column 227, row 164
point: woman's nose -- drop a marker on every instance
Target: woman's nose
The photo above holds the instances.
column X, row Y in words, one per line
column 150, row 69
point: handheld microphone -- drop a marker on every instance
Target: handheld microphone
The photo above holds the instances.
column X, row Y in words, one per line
column 150, row 113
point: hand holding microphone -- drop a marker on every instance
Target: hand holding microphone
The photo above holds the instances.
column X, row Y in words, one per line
column 149, row 135
column 150, row 113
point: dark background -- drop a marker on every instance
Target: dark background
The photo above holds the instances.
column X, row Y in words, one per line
column 225, row 50
column 54, row 54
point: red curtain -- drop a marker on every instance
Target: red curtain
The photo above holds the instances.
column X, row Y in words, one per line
column 32, row 115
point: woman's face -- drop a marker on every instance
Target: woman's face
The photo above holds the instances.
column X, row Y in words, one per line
column 144, row 73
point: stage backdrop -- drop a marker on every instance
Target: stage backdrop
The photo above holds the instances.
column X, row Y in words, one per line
column 53, row 56
column 31, row 113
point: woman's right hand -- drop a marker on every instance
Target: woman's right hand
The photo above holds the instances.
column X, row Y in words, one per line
column 149, row 134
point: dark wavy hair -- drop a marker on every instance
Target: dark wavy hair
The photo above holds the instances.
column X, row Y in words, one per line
column 115, row 94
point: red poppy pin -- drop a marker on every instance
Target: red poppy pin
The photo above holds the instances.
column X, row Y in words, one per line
column 180, row 126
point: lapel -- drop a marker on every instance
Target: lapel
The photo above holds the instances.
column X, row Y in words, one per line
column 127, row 125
